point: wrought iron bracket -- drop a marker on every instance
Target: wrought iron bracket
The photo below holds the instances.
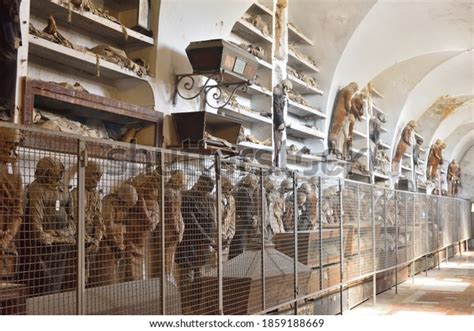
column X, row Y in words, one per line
column 212, row 90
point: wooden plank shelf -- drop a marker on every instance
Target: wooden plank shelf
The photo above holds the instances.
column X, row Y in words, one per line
column 302, row 87
column 384, row 145
column 306, row 158
column 406, row 168
column 244, row 115
column 302, row 110
column 65, row 59
column 297, row 37
column 358, row 134
column 298, row 64
column 377, row 93
column 260, row 9
column 250, row 33
column 258, row 90
column 303, row 132
column 249, row 145
column 378, row 176
column 264, row 64
column 91, row 25
column 378, row 109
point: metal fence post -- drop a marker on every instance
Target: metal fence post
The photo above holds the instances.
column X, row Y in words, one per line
column 320, row 213
column 163, row 229
column 374, row 276
column 262, row 220
column 358, row 229
column 341, row 247
column 81, row 227
column 220, row 283
column 396, row 242
column 295, row 231
column 414, row 241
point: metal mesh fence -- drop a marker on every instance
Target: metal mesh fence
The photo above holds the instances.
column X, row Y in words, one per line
column 95, row 227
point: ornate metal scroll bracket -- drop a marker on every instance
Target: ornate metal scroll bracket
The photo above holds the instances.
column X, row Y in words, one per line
column 216, row 92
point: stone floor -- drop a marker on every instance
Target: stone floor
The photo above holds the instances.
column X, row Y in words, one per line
column 448, row 291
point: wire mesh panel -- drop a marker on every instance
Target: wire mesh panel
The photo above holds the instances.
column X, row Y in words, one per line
column 381, row 229
column 95, row 227
column 390, row 228
column 366, row 229
column 353, row 243
column 331, row 236
column 402, row 217
column 47, row 242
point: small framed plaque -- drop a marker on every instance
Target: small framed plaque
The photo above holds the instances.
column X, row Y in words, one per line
column 239, row 66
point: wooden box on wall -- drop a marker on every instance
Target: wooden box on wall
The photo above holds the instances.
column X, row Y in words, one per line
column 75, row 104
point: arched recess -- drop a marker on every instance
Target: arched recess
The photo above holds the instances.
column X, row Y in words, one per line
column 439, row 121
column 383, row 39
column 454, row 139
column 398, row 82
column 467, row 175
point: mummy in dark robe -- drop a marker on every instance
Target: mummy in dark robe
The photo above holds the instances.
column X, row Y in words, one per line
column 199, row 241
column 10, row 41
column 280, row 100
column 246, row 221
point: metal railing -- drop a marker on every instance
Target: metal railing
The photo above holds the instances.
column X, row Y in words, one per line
column 96, row 227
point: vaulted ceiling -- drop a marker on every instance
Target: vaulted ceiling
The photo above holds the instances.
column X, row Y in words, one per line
column 418, row 53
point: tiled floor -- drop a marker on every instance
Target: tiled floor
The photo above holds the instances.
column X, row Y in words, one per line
column 448, row 291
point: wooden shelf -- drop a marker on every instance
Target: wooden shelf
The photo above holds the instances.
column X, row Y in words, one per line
column 264, row 64
column 250, row 33
column 406, row 168
column 298, row 37
column 247, row 144
column 378, row 175
column 298, row 64
column 121, row 5
column 384, row 145
column 359, row 151
column 378, row 109
column 359, row 134
column 244, row 115
column 303, row 132
column 377, row 93
column 302, row 87
column 258, row 90
column 307, row 158
column 302, row 110
column 407, row 155
column 260, row 9
column 90, row 24
column 64, row 59
column 63, row 101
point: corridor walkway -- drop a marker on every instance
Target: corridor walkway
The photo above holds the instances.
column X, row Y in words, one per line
column 448, row 291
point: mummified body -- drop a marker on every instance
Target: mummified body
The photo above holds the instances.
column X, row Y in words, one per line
column 10, row 40
column 174, row 227
column 141, row 221
column 228, row 216
column 48, row 234
column 279, row 207
column 435, row 159
column 245, row 221
column 342, row 107
column 11, row 199
column 454, row 177
column 199, row 241
column 407, row 139
column 94, row 224
column 116, row 208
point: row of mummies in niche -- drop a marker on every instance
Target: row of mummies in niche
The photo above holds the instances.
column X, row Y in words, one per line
column 434, row 161
column 122, row 229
